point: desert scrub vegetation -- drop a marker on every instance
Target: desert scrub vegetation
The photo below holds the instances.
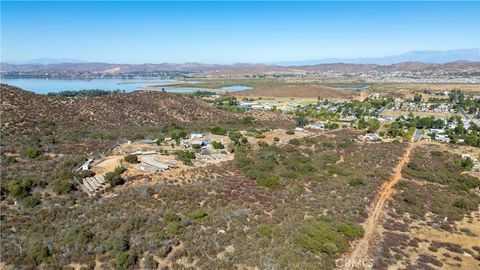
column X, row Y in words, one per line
column 121, row 230
column 440, row 167
column 447, row 193
column 323, row 235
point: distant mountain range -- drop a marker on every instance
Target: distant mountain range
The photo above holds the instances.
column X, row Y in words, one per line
column 436, row 57
column 46, row 61
column 454, row 60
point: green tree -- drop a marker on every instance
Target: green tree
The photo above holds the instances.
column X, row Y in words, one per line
column 219, row 131
column 217, row 145
column 114, row 178
column 131, row 158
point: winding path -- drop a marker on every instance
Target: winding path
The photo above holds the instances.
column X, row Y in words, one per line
column 360, row 256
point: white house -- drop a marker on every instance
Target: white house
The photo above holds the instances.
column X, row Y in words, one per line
column 196, row 136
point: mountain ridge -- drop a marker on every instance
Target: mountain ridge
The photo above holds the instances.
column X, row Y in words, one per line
column 426, row 56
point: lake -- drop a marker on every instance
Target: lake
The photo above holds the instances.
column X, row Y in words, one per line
column 44, row 86
column 236, row 88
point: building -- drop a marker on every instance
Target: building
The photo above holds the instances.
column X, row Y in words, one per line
column 153, row 165
column 138, row 152
column 372, row 137
column 200, row 143
column 442, row 138
column 196, row 136
column 317, row 125
column 85, row 166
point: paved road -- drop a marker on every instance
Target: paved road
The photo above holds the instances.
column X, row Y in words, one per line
column 417, row 135
column 464, row 114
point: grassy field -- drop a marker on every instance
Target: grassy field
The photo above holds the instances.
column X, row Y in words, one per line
column 279, row 88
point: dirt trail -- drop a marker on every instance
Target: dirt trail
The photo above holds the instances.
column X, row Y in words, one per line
column 360, row 256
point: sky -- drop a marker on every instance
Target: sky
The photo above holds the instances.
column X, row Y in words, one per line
column 231, row 32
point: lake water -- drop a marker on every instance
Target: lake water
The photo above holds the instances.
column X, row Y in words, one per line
column 236, row 88
column 44, row 86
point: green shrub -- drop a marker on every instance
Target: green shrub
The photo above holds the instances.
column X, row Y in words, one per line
column 119, row 244
column 8, row 159
column 136, row 137
column 355, row 182
column 410, row 199
column 114, row 178
column 185, row 154
column 290, row 132
column 160, row 140
column 351, row 230
column 217, row 145
column 198, row 214
column 131, row 159
column 171, row 217
column 267, row 230
column 32, row 152
column 126, row 259
column 331, row 125
column 41, row 253
column 178, row 134
column 62, row 186
column 173, row 227
column 30, row 201
column 464, row 204
column 17, row 189
column 79, row 236
column 46, row 122
column 235, row 136
column 85, row 174
column 119, row 169
column 294, row 142
column 262, row 144
column 269, row 181
column 219, row 131
column 346, row 143
column 319, row 236
column 401, row 185
column 467, row 163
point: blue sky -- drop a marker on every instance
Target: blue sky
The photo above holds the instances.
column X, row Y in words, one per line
column 228, row 32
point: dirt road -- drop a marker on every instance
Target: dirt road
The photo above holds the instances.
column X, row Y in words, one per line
column 360, row 256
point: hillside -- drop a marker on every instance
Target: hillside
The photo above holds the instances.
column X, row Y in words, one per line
column 138, row 108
